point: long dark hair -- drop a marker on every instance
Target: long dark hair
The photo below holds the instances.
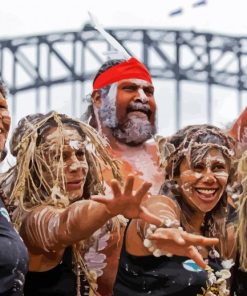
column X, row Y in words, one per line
column 193, row 142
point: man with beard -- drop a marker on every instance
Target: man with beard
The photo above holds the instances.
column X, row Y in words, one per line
column 123, row 109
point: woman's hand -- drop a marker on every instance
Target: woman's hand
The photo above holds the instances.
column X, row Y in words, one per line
column 182, row 243
column 127, row 202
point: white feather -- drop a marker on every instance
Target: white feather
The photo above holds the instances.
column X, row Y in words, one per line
column 119, row 51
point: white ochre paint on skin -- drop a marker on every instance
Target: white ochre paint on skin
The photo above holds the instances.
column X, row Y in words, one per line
column 142, row 95
column 72, row 143
column 140, row 82
column 210, row 178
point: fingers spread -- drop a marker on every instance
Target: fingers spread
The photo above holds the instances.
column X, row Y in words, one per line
column 168, row 235
column 142, row 191
column 116, row 189
column 196, row 256
column 199, row 239
column 128, row 187
column 207, row 241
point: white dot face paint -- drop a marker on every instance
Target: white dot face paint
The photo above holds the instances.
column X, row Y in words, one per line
column 203, row 185
column 142, row 95
column 69, row 161
column 74, row 144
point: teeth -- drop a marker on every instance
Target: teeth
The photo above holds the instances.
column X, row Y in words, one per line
column 1, row 130
column 206, row 191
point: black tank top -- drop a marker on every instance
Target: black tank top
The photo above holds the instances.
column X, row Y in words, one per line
column 162, row 276
column 239, row 284
column 59, row 281
column 13, row 257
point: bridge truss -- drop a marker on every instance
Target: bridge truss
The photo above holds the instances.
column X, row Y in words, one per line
column 39, row 63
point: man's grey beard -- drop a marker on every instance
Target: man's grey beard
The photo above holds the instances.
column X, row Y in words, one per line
column 107, row 114
column 134, row 131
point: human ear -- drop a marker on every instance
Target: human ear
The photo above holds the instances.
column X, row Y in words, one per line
column 96, row 98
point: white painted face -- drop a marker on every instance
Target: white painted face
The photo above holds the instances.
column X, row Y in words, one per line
column 129, row 111
column 72, row 156
column 203, row 185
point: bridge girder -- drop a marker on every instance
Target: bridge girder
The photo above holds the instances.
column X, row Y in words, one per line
column 50, row 59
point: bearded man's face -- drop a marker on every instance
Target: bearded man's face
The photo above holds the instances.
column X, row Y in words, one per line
column 129, row 110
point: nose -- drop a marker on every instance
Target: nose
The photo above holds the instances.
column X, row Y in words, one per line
column 209, row 176
column 74, row 164
column 141, row 96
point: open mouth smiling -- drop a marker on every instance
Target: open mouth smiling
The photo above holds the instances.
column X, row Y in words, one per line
column 206, row 194
column 206, row 191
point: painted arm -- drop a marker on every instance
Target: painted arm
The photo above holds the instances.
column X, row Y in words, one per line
column 50, row 229
column 168, row 237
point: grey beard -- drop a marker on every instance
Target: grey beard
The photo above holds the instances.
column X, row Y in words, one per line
column 107, row 114
column 134, row 131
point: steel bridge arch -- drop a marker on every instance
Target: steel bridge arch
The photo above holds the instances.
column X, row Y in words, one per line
column 73, row 57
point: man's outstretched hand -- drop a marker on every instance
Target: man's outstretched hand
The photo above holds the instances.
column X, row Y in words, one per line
column 127, row 202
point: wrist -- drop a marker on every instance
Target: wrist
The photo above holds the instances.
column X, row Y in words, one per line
column 150, row 244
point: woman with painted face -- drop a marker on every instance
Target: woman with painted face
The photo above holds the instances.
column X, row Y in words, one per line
column 13, row 253
column 198, row 165
column 57, row 173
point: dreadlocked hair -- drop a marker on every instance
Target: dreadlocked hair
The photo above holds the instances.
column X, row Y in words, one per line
column 242, row 212
column 28, row 182
column 25, row 182
column 193, row 142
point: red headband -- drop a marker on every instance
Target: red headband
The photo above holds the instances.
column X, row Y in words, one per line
column 131, row 68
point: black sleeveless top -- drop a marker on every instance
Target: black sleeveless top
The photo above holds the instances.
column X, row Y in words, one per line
column 159, row 276
column 239, row 282
column 59, row 281
column 13, row 257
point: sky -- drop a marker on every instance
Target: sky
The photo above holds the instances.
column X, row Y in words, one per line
column 25, row 17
